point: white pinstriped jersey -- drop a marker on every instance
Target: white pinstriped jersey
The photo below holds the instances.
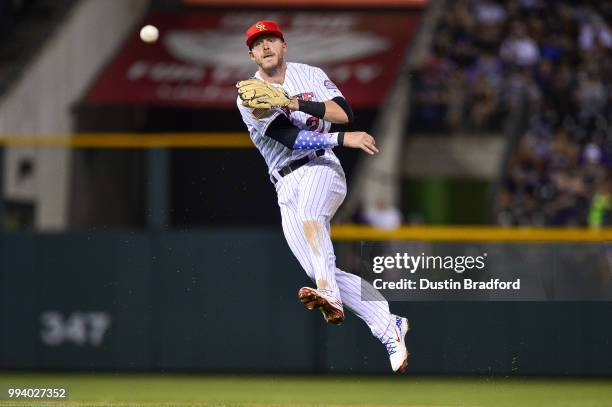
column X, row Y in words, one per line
column 313, row 193
column 307, row 83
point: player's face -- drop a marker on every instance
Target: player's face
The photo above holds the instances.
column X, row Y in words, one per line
column 268, row 51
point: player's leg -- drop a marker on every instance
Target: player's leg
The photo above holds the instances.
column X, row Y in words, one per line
column 375, row 313
column 363, row 299
column 366, row 302
column 321, row 205
column 292, row 226
column 292, row 229
column 369, row 304
column 330, row 306
column 305, row 233
column 321, row 190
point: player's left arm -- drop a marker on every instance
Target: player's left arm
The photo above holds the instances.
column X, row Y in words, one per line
column 282, row 130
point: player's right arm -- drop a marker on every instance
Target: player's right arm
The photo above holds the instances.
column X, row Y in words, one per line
column 283, row 131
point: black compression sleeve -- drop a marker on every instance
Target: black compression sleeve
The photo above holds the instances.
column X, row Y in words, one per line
column 283, row 131
column 340, row 101
column 316, row 109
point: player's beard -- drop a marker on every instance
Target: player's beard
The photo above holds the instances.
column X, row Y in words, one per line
column 272, row 69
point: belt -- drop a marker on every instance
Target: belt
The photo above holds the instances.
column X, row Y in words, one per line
column 294, row 165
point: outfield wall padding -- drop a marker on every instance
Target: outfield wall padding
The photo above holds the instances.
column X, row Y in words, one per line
column 225, row 300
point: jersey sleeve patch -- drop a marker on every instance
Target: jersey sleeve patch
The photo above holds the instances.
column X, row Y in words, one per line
column 330, row 85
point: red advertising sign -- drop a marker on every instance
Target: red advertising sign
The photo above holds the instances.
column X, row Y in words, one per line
column 201, row 55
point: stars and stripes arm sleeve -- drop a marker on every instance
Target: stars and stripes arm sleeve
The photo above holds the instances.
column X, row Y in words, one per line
column 312, row 140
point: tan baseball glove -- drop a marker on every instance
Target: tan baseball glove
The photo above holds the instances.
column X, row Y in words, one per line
column 258, row 94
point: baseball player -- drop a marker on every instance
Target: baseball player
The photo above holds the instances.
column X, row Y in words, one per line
column 295, row 116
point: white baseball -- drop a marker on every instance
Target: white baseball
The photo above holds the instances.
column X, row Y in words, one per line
column 149, row 33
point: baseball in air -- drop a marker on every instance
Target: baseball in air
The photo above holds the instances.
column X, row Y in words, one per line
column 149, row 33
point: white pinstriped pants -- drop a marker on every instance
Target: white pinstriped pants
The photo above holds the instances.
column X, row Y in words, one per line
column 308, row 199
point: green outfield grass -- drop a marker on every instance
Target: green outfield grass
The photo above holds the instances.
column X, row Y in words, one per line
column 283, row 391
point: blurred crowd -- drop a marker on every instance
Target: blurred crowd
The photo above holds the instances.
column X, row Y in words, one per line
column 560, row 172
column 552, row 58
column 485, row 53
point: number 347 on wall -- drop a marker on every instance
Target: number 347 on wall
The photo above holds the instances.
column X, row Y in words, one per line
column 80, row 327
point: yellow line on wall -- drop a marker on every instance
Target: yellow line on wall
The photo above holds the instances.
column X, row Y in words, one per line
column 131, row 140
column 471, row 234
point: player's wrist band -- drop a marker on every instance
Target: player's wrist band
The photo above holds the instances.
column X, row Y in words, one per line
column 316, row 109
column 341, row 138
